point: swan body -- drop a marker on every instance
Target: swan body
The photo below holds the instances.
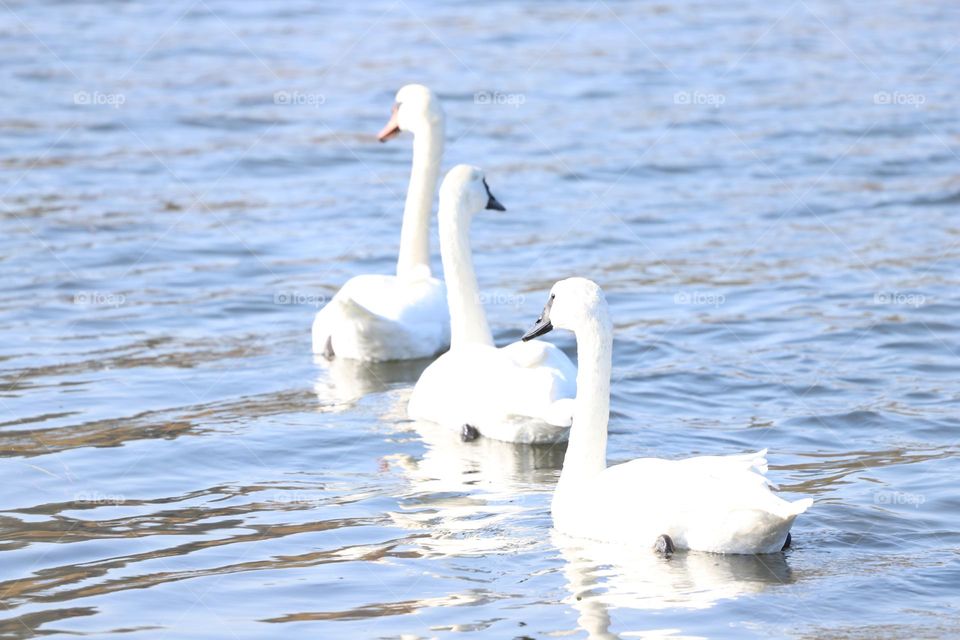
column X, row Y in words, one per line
column 380, row 317
column 397, row 317
column 504, row 393
column 720, row 504
column 522, row 392
column 708, row 503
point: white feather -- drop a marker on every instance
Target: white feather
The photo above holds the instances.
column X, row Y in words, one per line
column 377, row 318
column 721, row 504
column 518, row 393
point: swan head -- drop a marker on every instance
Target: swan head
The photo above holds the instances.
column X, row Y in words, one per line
column 573, row 304
column 415, row 109
column 464, row 190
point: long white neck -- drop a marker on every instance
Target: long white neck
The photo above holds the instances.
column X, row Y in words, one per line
column 415, row 232
column 468, row 322
column 587, row 450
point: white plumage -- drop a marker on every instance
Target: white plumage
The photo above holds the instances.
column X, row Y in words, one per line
column 722, row 504
column 377, row 318
column 518, row 393
column 708, row 503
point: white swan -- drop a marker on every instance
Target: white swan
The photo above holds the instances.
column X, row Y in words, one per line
column 711, row 503
column 379, row 317
column 519, row 393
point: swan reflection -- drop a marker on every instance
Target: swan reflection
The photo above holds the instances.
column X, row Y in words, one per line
column 473, row 497
column 603, row 577
column 342, row 382
column 470, row 499
column 486, row 496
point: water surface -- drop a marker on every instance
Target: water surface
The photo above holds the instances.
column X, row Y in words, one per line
column 767, row 192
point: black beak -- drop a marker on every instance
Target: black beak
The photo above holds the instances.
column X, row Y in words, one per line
column 543, row 324
column 492, row 203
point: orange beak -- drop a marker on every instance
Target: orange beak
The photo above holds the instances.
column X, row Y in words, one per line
column 392, row 128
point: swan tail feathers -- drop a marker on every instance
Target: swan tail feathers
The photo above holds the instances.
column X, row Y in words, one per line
column 797, row 507
column 354, row 311
column 369, row 326
column 758, row 462
column 320, row 332
column 560, row 413
column 347, row 328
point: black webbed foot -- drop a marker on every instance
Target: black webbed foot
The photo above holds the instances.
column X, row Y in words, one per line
column 664, row 545
column 786, row 543
column 469, row 433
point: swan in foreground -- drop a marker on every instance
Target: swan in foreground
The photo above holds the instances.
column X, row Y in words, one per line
column 522, row 392
column 378, row 317
column 721, row 504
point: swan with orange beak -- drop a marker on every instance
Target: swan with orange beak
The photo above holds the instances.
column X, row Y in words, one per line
column 377, row 318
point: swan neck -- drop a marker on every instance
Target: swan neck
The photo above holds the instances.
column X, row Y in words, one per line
column 468, row 322
column 424, row 171
column 587, row 450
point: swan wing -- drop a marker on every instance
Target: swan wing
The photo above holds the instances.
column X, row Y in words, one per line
column 485, row 387
column 528, row 354
column 455, row 389
column 709, row 503
column 543, row 381
column 537, row 353
column 378, row 318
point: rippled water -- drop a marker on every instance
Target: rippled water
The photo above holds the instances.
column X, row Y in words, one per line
column 767, row 191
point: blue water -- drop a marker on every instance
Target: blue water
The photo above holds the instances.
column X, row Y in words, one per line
column 767, row 192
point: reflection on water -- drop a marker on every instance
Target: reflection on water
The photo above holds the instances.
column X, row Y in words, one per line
column 341, row 383
column 464, row 499
column 486, row 465
column 777, row 240
column 466, row 495
column 603, row 577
